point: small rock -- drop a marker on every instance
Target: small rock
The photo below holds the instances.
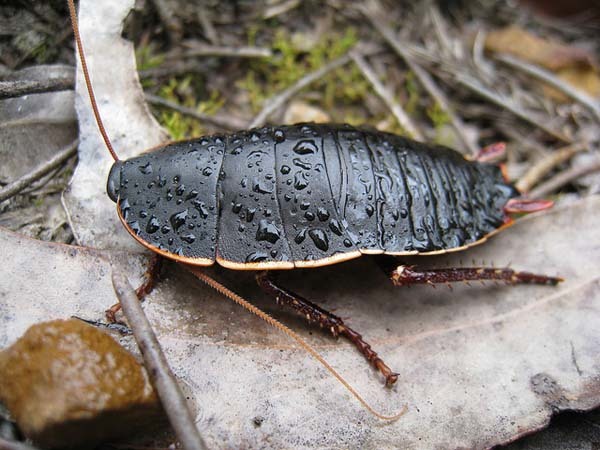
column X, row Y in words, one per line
column 67, row 383
column 299, row 112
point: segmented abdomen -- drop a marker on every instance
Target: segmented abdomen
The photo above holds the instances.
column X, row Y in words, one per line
column 307, row 195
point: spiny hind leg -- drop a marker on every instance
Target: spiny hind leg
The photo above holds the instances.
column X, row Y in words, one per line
column 404, row 275
column 316, row 314
column 150, row 280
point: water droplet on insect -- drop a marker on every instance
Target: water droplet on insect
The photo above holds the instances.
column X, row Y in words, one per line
column 250, row 214
column 165, row 229
column 169, row 195
column 370, row 210
column 285, row 170
column 347, row 243
column 236, row 151
column 279, row 136
column 260, row 188
column 180, row 189
column 241, row 227
column 404, row 213
column 302, row 164
column 267, row 232
column 143, row 213
column 193, row 194
column 201, row 208
column 305, row 147
column 254, row 137
column 170, row 241
column 178, row 219
column 319, row 238
column 189, row 238
column 322, row 214
column 300, row 236
column 153, row 225
column 146, row 169
column 287, row 197
column 135, row 226
column 176, row 179
column 236, row 208
column 299, row 181
column 309, row 216
column 335, row 226
column 304, row 205
column 273, row 253
column 256, row 257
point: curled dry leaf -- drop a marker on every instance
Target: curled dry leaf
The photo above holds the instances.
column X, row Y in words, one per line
column 574, row 65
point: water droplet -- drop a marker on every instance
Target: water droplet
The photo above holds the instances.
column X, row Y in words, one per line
column 279, row 136
column 260, row 188
column 305, row 147
column 250, row 214
column 319, row 238
column 236, row 208
column 153, row 225
column 193, row 194
column 135, row 227
column 189, row 238
column 304, row 205
column 165, row 229
column 241, row 227
column 267, row 232
column 244, row 182
column 287, row 197
column 299, row 181
column 180, row 189
column 254, row 137
column 309, row 216
column 404, row 213
column 256, row 257
column 370, row 210
column 236, row 151
column 302, row 164
column 347, row 243
column 178, row 219
column 201, row 208
column 300, row 236
column 335, row 226
column 176, row 179
column 169, row 195
column 146, row 169
column 143, row 213
column 285, row 169
column 322, row 214
column 170, row 241
column 273, row 253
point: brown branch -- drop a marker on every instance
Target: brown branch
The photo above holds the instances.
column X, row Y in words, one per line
column 10, row 89
column 157, row 366
column 563, row 178
column 546, row 164
column 384, row 94
column 17, row 186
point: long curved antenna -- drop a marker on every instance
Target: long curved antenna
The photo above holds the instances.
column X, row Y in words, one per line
column 88, row 82
column 281, row 327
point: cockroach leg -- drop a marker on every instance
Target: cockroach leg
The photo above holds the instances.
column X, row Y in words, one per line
column 333, row 323
column 150, row 279
column 404, row 275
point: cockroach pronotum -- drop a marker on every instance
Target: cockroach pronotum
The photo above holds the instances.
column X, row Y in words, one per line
column 311, row 195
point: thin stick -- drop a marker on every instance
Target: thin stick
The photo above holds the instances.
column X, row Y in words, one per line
column 274, row 103
column 228, row 123
column 88, row 82
column 157, row 366
column 284, row 329
column 198, row 49
column 545, row 165
column 18, row 185
column 508, row 104
column 425, row 79
column 10, row 89
column 384, row 94
column 563, row 178
column 552, row 80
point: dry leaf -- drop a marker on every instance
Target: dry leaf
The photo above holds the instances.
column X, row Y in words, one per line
column 574, row 65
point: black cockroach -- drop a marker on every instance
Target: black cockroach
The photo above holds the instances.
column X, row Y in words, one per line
column 309, row 195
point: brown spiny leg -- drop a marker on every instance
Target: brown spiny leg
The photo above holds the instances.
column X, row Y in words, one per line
column 403, row 275
column 151, row 277
column 333, row 323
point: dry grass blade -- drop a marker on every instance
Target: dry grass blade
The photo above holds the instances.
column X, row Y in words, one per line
column 17, row 186
column 403, row 119
column 425, row 79
column 545, row 165
column 157, row 366
column 552, row 80
column 280, row 99
column 564, row 178
column 227, row 123
column 198, row 49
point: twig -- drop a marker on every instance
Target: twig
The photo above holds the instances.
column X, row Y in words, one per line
column 281, row 8
column 545, row 165
column 563, row 178
column 9, row 89
column 424, row 77
column 157, row 366
column 195, row 48
column 174, row 68
column 474, row 85
column 17, row 186
column 405, row 122
column 12, row 445
column 228, row 123
column 207, row 27
column 552, row 80
column 274, row 103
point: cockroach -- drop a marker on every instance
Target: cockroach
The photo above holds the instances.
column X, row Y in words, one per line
column 311, row 195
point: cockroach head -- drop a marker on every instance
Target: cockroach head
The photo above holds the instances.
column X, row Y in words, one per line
column 114, row 181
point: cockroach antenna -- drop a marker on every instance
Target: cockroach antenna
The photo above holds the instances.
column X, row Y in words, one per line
column 88, row 83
